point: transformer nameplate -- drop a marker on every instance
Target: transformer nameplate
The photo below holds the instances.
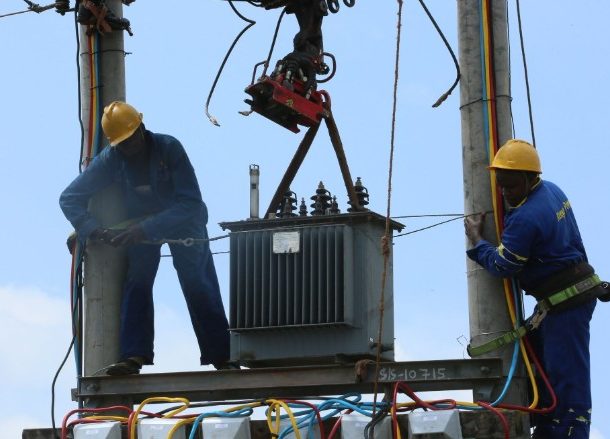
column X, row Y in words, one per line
column 286, row 242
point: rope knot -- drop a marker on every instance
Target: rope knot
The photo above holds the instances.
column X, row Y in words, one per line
column 385, row 245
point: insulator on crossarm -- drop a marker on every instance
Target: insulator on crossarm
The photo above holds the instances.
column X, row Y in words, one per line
column 321, row 200
column 362, row 193
column 334, row 207
column 303, row 208
column 288, row 205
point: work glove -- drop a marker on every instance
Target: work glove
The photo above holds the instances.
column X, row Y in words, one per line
column 133, row 235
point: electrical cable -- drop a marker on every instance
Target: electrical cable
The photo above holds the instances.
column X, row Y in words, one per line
column 491, row 136
column 337, row 424
column 333, row 69
column 500, row 415
column 527, row 82
column 273, row 41
column 224, row 61
column 79, row 99
column 63, row 362
column 133, row 417
column 65, row 425
column 210, row 404
column 315, row 410
column 490, row 127
column 76, row 301
column 431, row 226
column 445, row 95
column 369, row 429
column 275, row 406
column 33, row 7
column 460, row 216
column 242, row 412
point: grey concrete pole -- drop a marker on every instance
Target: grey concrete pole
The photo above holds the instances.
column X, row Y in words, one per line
column 104, row 266
column 486, row 301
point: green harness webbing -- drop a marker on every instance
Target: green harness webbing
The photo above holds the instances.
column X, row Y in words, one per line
column 533, row 322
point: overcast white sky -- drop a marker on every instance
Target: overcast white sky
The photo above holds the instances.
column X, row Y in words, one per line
column 173, row 58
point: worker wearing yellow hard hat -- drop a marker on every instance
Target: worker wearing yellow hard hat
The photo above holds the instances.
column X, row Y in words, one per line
column 119, row 121
column 542, row 248
column 164, row 201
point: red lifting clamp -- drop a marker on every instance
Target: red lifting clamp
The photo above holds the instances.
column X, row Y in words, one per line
column 286, row 107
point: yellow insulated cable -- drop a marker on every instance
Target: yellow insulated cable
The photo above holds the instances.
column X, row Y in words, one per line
column 492, row 149
column 276, row 405
column 179, row 424
column 186, row 402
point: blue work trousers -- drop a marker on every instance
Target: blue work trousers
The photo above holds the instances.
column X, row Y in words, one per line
column 197, row 276
column 562, row 346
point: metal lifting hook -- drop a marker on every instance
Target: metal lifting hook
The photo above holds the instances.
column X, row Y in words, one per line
column 333, row 6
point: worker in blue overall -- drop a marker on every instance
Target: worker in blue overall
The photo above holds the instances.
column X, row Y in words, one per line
column 541, row 247
column 163, row 198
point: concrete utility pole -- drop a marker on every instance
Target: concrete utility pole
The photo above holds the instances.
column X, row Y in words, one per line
column 104, row 266
column 487, row 306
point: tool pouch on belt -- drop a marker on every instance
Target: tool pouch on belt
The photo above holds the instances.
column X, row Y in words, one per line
column 564, row 279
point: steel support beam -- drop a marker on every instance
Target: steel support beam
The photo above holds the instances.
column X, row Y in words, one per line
column 293, row 381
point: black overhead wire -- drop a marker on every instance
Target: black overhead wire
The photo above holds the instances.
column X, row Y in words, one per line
column 430, row 226
column 32, row 7
column 273, row 41
column 456, row 217
column 445, row 95
column 61, row 366
column 265, row 63
column 510, row 79
column 82, row 130
column 527, row 82
column 224, row 61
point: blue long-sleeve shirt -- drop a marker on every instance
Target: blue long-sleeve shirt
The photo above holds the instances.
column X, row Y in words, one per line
column 170, row 198
column 540, row 238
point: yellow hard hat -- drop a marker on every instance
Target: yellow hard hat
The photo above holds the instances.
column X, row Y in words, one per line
column 120, row 121
column 517, row 155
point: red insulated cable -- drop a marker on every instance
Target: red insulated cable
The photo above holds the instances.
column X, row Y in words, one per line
column 131, row 416
column 64, row 430
column 500, row 415
column 450, row 403
column 316, row 411
column 547, row 383
column 337, row 425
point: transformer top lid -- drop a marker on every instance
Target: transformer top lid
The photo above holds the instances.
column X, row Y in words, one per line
column 342, row 218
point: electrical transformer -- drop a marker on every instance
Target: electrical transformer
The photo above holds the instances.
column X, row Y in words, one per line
column 306, row 290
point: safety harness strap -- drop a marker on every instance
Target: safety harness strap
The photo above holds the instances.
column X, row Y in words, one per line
column 563, row 295
column 534, row 321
